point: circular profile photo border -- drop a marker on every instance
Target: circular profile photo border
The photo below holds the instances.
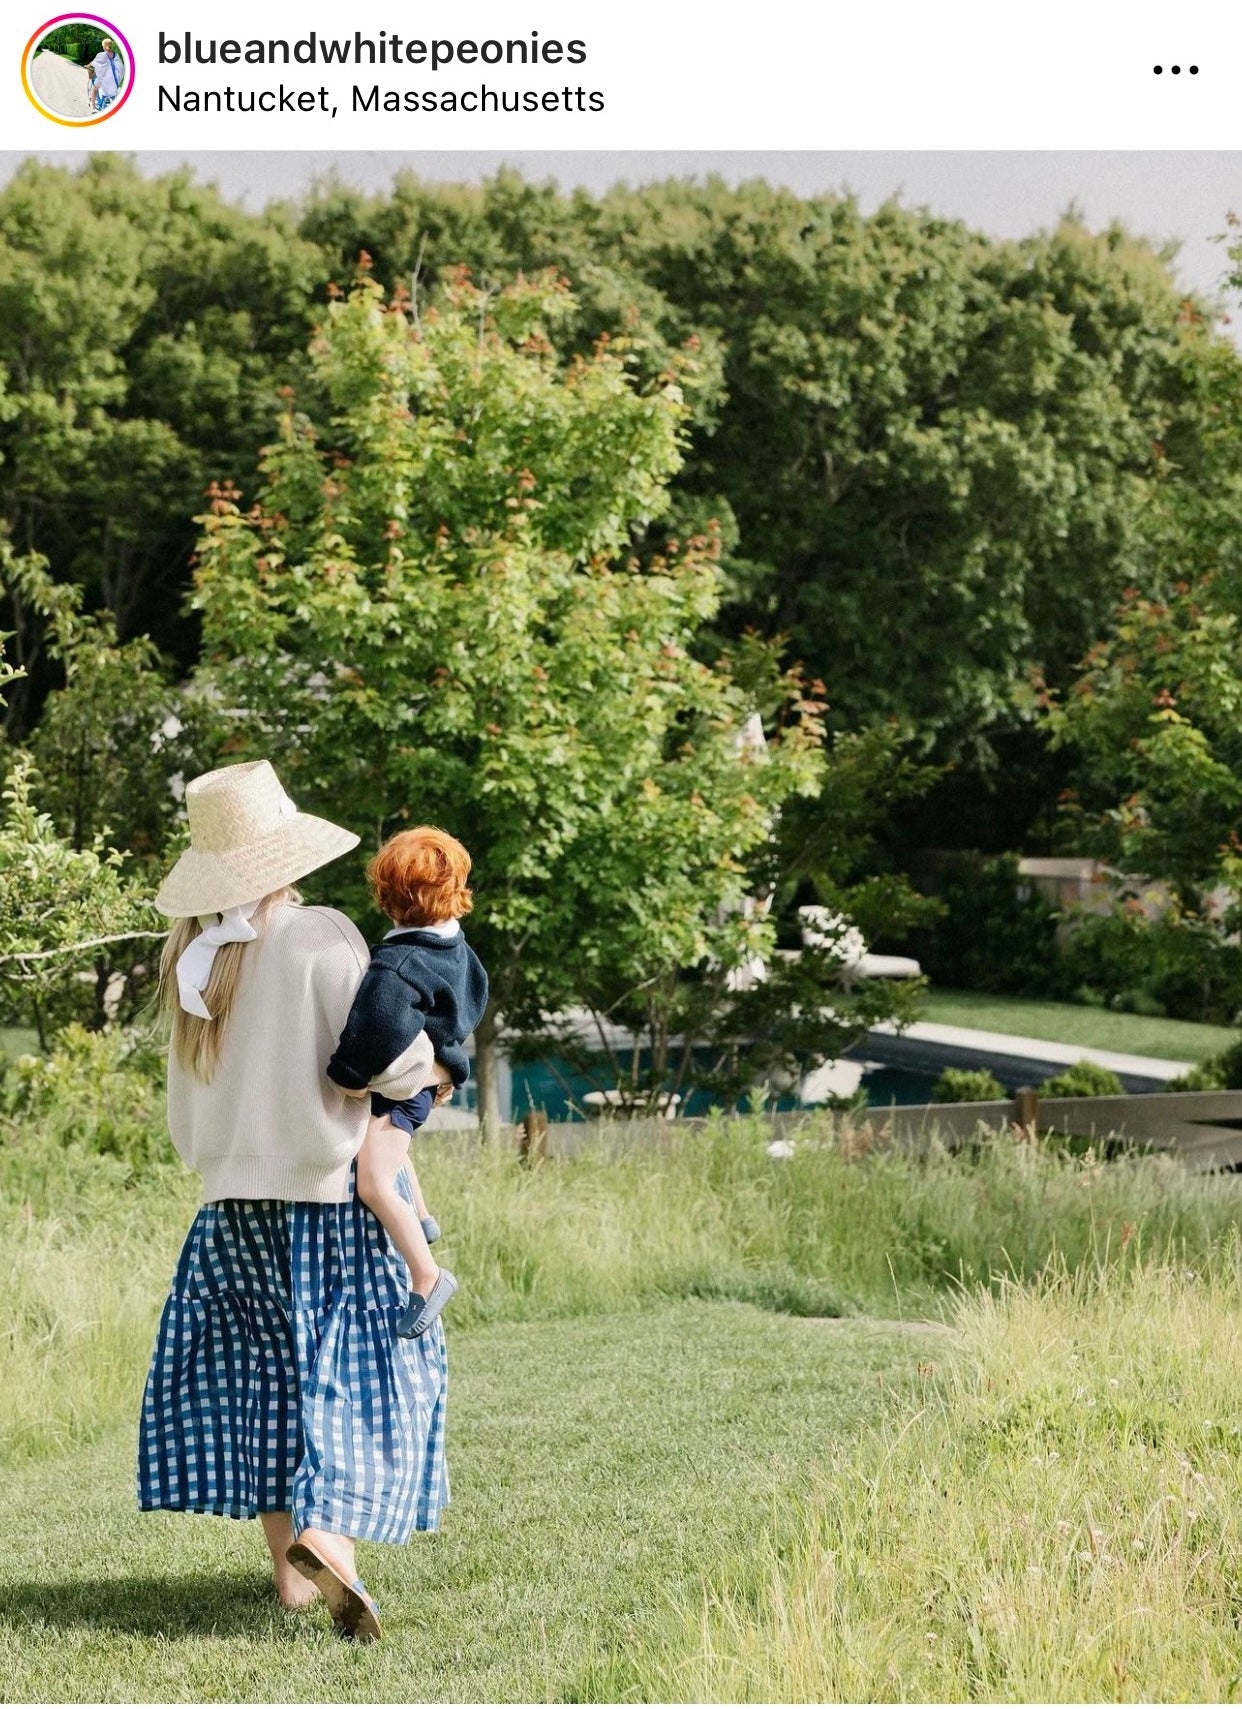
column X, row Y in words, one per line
column 72, row 18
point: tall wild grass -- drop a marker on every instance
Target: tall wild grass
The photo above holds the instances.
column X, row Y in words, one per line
column 88, row 1243
column 832, row 1229
column 1060, row 1521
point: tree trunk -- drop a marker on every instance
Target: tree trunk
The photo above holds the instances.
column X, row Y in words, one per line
column 103, row 973
column 486, row 1070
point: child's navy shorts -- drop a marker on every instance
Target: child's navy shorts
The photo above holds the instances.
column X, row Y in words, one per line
column 405, row 1113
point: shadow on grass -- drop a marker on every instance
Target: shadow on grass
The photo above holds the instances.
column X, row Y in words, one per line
column 184, row 1605
column 784, row 1293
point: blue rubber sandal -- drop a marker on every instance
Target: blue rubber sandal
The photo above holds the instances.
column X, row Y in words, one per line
column 430, row 1228
column 354, row 1611
column 421, row 1313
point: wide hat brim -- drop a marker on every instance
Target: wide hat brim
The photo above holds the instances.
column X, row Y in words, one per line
column 208, row 882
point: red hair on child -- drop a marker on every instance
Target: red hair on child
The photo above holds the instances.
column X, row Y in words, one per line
column 419, row 876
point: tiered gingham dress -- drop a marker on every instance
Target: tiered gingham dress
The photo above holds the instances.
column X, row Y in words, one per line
column 278, row 1383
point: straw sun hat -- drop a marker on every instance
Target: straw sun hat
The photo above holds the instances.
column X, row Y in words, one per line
column 246, row 839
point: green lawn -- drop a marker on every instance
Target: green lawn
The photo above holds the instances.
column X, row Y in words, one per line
column 1072, row 1023
column 605, row 1471
column 17, row 1041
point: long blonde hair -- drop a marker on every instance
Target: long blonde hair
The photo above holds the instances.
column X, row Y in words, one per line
column 196, row 1043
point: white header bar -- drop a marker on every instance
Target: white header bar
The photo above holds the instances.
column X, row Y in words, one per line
column 539, row 75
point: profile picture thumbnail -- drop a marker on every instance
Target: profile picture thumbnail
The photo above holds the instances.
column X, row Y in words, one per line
column 78, row 69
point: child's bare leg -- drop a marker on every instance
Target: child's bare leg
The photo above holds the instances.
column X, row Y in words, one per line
column 385, row 1151
column 420, row 1203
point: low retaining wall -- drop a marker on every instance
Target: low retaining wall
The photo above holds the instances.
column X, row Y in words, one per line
column 1204, row 1129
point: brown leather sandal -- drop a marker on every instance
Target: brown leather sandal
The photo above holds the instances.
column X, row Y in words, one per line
column 354, row 1611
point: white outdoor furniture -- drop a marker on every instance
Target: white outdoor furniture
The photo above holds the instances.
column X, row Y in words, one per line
column 613, row 1098
column 837, row 1078
column 822, row 929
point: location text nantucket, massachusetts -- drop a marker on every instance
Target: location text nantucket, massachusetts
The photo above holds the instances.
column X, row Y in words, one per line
column 527, row 48
column 289, row 99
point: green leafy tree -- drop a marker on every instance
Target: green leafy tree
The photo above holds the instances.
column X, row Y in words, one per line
column 504, row 226
column 59, row 908
column 112, row 752
column 70, row 916
column 1151, row 729
column 938, row 448
column 1152, row 721
column 144, row 327
column 1155, row 724
column 433, row 612
column 116, row 743
column 935, row 459
column 893, row 413
column 837, row 856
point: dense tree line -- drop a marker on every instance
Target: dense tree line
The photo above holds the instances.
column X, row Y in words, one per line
column 935, row 457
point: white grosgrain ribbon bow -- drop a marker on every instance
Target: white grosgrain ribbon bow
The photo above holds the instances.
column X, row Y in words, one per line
column 195, row 964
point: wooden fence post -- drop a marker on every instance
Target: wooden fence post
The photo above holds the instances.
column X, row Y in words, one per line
column 1026, row 1109
column 533, row 1139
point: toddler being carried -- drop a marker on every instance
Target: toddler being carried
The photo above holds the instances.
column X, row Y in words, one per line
column 423, row 976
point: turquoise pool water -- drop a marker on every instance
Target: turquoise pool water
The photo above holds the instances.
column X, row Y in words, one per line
column 553, row 1086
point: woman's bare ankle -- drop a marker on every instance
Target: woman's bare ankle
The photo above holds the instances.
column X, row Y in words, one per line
column 336, row 1550
column 296, row 1591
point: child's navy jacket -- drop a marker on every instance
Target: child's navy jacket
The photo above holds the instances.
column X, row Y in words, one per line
column 416, row 979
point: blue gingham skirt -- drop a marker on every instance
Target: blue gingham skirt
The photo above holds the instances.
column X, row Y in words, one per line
column 278, row 1383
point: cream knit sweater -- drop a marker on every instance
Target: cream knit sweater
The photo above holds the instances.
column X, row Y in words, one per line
column 270, row 1124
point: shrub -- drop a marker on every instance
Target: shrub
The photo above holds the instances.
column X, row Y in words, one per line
column 998, row 934
column 1201, row 1078
column 1153, row 967
column 967, row 1086
column 1083, row 1080
column 1220, row 1073
column 98, row 1090
column 1228, row 1065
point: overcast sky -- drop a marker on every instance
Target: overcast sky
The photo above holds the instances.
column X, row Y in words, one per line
column 1184, row 197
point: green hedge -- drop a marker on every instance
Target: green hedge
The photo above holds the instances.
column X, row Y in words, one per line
column 998, row 935
column 78, row 42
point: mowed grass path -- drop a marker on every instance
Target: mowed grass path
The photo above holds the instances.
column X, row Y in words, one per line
column 607, row 1472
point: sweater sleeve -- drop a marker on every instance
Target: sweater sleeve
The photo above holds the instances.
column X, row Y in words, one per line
column 412, row 1072
column 383, row 1022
